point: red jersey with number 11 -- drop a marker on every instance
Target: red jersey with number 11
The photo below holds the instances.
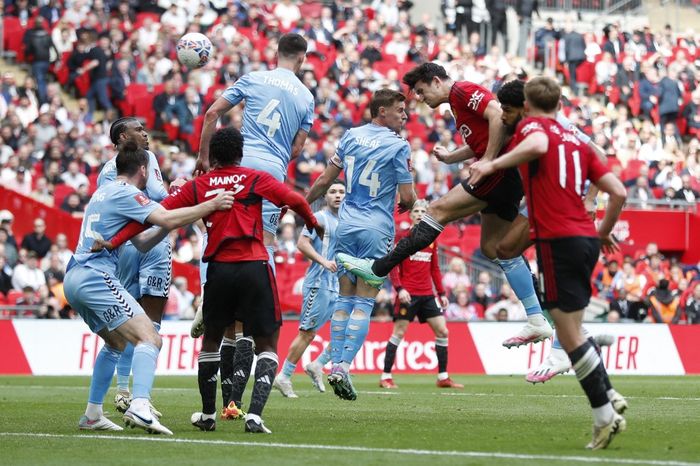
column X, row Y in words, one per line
column 554, row 183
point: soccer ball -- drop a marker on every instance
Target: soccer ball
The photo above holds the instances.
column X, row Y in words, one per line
column 194, row 50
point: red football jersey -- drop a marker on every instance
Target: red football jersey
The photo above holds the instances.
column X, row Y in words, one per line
column 235, row 235
column 419, row 272
column 554, row 183
column 469, row 102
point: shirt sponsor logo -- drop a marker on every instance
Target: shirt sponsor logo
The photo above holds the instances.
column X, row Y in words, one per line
column 158, row 175
column 532, row 126
column 466, row 131
column 475, row 100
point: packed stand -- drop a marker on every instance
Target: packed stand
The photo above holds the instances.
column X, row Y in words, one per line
column 633, row 91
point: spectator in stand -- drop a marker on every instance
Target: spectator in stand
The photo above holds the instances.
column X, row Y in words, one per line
column 37, row 241
column 38, row 47
column 525, row 10
column 149, row 74
column 633, row 285
column 43, row 192
column 692, row 305
column 5, row 272
column 649, row 90
column 456, row 277
column 120, row 79
column 687, row 193
column 664, row 304
column 184, row 298
column 461, row 309
column 670, row 97
column 606, row 277
column 29, row 274
column 287, row 243
column 287, row 13
column 310, row 162
column 73, row 205
column 613, row 45
column 572, row 51
column 183, row 164
column 73, row 176
column 545, row 37
column 512, row 305
column 640, row 193
column 56, row 269
column 479, row 295
column 98, row 59
column 606, row 70
column 692, row 113
column 174, row 19
column 165, row 103
column 187, row 109
column 17, row 179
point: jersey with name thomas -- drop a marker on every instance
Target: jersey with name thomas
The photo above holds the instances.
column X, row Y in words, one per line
column 277, row 106
column 555, row 182
column 111, row 207
column 316, row 275
column 376, row 160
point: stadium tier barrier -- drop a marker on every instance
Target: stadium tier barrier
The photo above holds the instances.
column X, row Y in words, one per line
column 28, row 347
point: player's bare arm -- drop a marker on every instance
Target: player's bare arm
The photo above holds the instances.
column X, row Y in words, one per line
column 298, row 143
column 458, row 155
column 323, row 182
column 617, row 194
column 216, row 111
column 592, row 194
column 407, row 196
column 532, row 147
column 306, row 247
column 497, row 131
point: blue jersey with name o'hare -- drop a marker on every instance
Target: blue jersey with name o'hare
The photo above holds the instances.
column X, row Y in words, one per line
column 316, row 275
column 375, row 160
column 277, row 106
column 111, row 207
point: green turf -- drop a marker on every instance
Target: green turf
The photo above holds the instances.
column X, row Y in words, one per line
column 492, row 415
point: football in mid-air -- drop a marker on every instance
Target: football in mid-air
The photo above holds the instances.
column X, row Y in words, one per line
column 194, row 50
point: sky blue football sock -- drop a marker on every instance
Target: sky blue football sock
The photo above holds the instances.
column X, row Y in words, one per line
column 339, row 323
column 520, row 280
column 555, row 343
column 358, row 327
column 324, row 357
column 288, row 368
column 124, row 368
column 102, row 374
column 144, row 367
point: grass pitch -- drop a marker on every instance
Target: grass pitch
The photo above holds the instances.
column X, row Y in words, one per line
column 494, row 420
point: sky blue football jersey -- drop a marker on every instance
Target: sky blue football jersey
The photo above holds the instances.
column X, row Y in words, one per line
column 316, row 275
column 111, row 207
column 376, row 160
column 154, row 186
column 277, row 106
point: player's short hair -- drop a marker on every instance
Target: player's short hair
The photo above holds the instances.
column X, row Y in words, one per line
column 226, row 146
column 512, row 94
column 291, row 45
column 420, row 203
column 337, row 181
column 543, row 93
column 424, row 73
column 384, row 98
column 118, row 127
column 130, row 158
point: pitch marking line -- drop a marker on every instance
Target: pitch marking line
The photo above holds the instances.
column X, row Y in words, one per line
column 378, row 392
column 290, row 446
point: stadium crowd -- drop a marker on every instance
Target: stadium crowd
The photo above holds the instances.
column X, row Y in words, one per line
column 634, row 91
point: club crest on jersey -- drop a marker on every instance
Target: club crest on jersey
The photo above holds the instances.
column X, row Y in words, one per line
column 475, row 100
column 142, row 199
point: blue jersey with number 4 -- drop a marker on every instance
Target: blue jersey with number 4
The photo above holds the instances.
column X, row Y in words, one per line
column 376, row 160
column 277, row 106
column 111, row 207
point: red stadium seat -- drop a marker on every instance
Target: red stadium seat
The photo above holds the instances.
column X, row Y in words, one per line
column 13, row 36
column 60, row 192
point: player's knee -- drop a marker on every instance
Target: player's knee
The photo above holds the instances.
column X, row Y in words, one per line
column 441, row 332
column 307, row 335
column 505, row 251
column 488, row 248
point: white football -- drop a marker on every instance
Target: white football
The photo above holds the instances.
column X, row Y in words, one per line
column 194, row 50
